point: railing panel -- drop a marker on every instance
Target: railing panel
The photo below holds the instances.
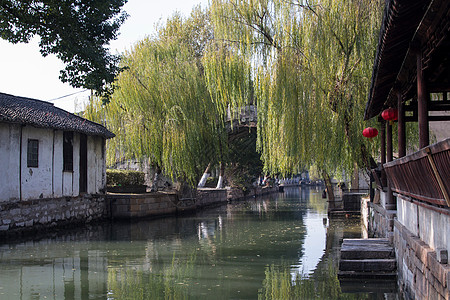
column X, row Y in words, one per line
column 414, row 175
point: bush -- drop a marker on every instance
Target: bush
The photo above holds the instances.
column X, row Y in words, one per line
column 124, row 177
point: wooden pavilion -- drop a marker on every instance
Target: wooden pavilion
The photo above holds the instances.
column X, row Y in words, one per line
column 412, row 74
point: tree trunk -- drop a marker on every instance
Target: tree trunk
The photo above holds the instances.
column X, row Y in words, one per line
column 330, row 192
column 205, row 176
column 221, row 176
column 155, row 179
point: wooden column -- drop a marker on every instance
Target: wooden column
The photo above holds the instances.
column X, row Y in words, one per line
column 390, row 200
column 383, row 149
column 401, row 126
column 389, row 151
column 422, row 98
column 383, row 141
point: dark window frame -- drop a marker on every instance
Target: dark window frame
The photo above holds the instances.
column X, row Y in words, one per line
column 68, row 151
column 33, row 153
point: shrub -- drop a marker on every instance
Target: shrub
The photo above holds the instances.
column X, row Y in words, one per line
column 124, row 177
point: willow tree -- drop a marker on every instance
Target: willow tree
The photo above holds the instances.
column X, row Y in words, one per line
column 312, row 67
column 166, row 107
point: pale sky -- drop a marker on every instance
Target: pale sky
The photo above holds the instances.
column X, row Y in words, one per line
column 24, row 72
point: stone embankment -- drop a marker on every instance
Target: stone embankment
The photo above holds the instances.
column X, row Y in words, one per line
column 21, row 217
column 164, row 203
column 36, row 214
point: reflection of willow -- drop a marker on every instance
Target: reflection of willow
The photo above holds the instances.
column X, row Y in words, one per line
column 278, row 284
column 126, row 283
column 323, row 283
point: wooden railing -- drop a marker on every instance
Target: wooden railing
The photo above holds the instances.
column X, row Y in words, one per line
column 424, row 175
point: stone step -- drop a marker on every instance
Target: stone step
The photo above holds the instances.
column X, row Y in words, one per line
column 368, row 265
column 366, row 249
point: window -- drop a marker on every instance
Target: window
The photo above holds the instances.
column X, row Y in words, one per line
column 33, row 153
column 68, row 151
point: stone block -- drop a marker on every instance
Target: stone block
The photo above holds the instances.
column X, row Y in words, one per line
column 420, row 285
column 437, row 286
column 438, row 270
column 4, row 227
column 417, row 263
column 134, row 207
column 421, row 250
column 15, row 211
column 6, row 221
column 20, row 224
column 442, row 255
column 29, row 223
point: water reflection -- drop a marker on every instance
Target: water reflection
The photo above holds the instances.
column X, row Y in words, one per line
column 281, row 245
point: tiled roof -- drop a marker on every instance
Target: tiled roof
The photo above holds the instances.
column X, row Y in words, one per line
column 400, row 21
column 21, row 110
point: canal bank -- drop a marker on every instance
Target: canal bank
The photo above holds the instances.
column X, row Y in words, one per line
column 32, row 216
column 278, row 246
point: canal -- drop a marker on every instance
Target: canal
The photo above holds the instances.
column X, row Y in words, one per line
column 281, row 246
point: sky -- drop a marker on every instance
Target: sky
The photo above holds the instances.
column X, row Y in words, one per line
column 24, row 72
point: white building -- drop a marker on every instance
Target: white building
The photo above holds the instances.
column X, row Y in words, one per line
column 47, row 153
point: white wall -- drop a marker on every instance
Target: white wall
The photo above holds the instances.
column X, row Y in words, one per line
column 48, row 179
column 430, row 226
column 37, row 182
column 9, row 162
column 58, row 164
column 71, row 180
column 96, row 164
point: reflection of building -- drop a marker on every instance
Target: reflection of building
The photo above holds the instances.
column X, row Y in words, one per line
column 412, row 74
column 71, row 275
column 48, row 154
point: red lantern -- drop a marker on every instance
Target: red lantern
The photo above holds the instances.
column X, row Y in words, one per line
column 370, row 132
column 390, row 114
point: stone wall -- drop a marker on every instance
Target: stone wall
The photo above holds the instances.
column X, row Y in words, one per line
column 22, row 216
column 237, row 194
column 421, row 274
column 420, row 235
column 142, row 205
column 381, row 221
column 51, row 212
column 210, row 196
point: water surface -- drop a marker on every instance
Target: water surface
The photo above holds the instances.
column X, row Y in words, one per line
column 276, row 247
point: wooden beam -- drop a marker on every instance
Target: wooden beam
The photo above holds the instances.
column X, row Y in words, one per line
column 430, row 118
column 443, row 105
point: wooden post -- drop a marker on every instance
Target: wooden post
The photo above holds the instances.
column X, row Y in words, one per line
column 383, row 141
column 401, row 126
column 422, row 98
column 389, row 152
column 383, row 149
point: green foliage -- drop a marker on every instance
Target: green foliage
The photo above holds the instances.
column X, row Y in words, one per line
column 279, row 284
column 166, row 107
column 312, row 68
column 77, row 32
column 211, row 182
column 124, row 177
column 245, row 164
column 137, row 284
